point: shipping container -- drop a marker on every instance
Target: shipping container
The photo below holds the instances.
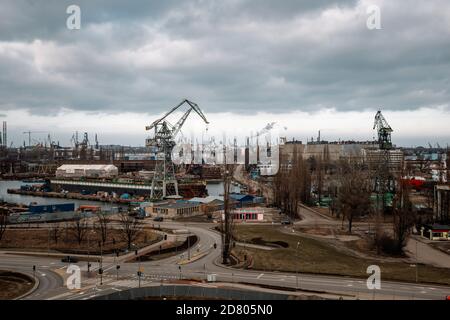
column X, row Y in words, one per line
column 51, row 208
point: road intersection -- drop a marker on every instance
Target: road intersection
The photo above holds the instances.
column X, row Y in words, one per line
column 51, row 273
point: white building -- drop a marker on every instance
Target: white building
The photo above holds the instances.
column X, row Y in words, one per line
column 87, row 170
column 246, row 214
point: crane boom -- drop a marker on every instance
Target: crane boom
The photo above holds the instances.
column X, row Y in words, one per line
column 191, row 104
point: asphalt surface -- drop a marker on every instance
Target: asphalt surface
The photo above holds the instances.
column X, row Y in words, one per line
column 52, row 274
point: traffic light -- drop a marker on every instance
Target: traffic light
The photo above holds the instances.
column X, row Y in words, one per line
column 215, row 245
column 165, row 237
column 117, row 267
column 34, row 268
column 100, row 271
column 139, row 273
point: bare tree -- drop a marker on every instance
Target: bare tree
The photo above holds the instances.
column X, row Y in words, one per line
column 102, row 225
column 79, row 228
column 55, row 231
column 130, row 228
column 354, row 192
column 227, row 221
column 403, row 214
column 292, row 184
column 3, row 221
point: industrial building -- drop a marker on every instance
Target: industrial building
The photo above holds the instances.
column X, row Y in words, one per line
column 180, row 208
column 247, row 214
column 436, row 232
column 442, row 203
column 87, row 171
column 209, row 204
column 242, row 199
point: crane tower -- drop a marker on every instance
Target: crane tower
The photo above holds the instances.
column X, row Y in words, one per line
column 164, row 183
column 384, row 181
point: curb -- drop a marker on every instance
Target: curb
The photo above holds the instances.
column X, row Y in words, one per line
column 194, row 258
column 36, row 285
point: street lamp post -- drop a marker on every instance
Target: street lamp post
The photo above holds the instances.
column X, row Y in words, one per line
column 296, row 273
column 189, row 247
column 417, row 264
column 101, row 262
column 48, row 238
column 204, row 267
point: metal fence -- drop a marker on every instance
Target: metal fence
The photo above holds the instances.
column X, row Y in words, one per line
column 186, row 291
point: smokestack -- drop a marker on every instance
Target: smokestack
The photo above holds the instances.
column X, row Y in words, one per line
column 5, row 141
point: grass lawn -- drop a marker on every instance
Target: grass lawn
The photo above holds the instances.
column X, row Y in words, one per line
column 314, row 256
column 41, row 240
column 13, row 284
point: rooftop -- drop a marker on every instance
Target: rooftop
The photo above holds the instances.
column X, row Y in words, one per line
column 177, row 205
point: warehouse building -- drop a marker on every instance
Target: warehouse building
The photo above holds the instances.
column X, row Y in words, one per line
column 209, row 204
column 442, row 203
column 87, row 171
column 180, row 208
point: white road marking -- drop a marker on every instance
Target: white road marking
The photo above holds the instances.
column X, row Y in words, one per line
column 259, row 277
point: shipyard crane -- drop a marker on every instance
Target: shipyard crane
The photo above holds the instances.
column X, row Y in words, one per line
column 384, row 131
column 164, row 183
column 164, row 130
column 29, row 135
column 384, row 179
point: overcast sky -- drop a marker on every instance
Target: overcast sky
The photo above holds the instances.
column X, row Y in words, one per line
column 308, row 65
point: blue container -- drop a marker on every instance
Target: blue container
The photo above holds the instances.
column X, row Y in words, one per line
column 52, row 208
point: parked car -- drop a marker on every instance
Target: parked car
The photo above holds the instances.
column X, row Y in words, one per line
column 159, row 219
column 69, row 259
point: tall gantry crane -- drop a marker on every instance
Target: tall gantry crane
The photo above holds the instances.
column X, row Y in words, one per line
column 384, row 181
column 164, row 182
column 384, row 131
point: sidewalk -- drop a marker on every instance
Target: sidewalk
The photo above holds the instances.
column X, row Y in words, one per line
column 426, row 254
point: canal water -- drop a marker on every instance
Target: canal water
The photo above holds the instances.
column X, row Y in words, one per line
column 214, row 189
column 26, row 200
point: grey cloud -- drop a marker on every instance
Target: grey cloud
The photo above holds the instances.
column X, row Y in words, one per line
column 226, row 55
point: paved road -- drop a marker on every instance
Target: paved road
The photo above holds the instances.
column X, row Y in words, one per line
column 50, row 273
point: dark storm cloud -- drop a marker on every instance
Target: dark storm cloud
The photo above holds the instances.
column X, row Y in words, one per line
column 145, row 56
